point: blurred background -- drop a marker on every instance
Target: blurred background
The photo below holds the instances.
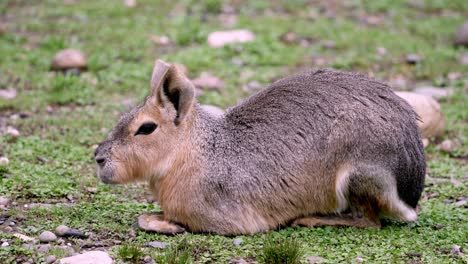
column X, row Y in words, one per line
column 69, row 68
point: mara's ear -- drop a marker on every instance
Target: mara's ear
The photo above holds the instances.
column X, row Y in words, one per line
column 169, row 86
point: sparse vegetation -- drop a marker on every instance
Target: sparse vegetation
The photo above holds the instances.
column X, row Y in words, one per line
column 51, row 170
column 281, row 251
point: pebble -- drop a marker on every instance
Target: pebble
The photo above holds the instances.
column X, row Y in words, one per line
column 69, row 59
column 160, row 40
column 12, row 131
column 461, row 35
column 460, row 203
column 315, row 259
column 130, row 3
column 220, row 38
column 359, row 260
column 238, row 261
column 252, row 87
column 28, row 246
column 434, row 92
column 44, row 248
column 4, row 200
column 47, row 236
column 463, row 59
column 50, row 259
column 5, row 244
column 91, row 257
column 430, row 112
column 237, row 241
column 208, row 81
column 7, row 93
column 328, row 44
column 447, row 146
column 158, row 244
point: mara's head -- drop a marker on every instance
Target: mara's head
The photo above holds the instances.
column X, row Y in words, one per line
column 146, row 140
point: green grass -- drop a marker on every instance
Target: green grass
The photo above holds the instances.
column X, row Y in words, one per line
column 281, row 252
column 51, row 162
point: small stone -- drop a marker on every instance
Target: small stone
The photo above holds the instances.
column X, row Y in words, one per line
column 359, row 260
column 456, row 250
column 44, row 248
column 315, row 259
column 208, row 81
column 220, row 38
column 91, row 257
column 434, row 92
column 414, row 254
column 328, row 44
column 447, row 146
column 381, row 51
column 61, row 230
column 47, row 236
column 237, row 261
column 373, row 20
column 425, row 142
column 252, row 87
column 432, row 122
column 158, row 244
column 463, row 59
column 7, row 94
column 4, row 200
column 8, row 229
column 160, row 40
column 439, row 226
column 28, row 246
column 5, row 244
column 50, row 259
column 461, row 35
column 91, row 189
column 289, row 37
column 12, row 223
column 12, row 131
column 460, row 203
column 413, row 59
column 237, row 61
column 130, row 3
column 237, row 241
column 69, row 59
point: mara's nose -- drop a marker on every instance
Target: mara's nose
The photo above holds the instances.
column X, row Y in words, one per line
column 100, row 160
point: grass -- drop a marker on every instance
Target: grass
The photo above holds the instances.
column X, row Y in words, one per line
column 281, row 252
column 51, row 162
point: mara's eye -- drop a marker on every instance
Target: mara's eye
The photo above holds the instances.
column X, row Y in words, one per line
column 146, row 128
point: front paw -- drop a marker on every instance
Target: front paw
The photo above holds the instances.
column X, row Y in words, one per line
column 156, row 223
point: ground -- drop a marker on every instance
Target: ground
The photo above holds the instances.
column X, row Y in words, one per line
column 51, row 178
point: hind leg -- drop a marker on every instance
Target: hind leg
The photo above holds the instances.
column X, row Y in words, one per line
column 373, row 191
column 156, row 223
column 344, row 221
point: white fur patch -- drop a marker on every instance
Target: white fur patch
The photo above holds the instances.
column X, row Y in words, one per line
column 341, row 187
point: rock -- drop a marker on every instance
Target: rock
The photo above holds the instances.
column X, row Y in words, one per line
column 429, row 110
column 50, row 259
column 328, row 44
column 252, row 87
column 61, row 230
column 69, row 59
column 7, row 93
column 456, row 250
column 213, row 110
column 220, row 38
column 381, row 51
column 237, row 261
column 447, row 146
column 460, row 203
column 359, row 260
column 158, row 244
column 434, row 92
column 413, row 58
column 463, row 59
column 461, row 36
column 237, row 241
column 208, row 81
column 289, row 37
column 44, row 248
column 425, row 142
column 130, row 3
column 47, row 236
column 28, row 246
column 160, row 40
column 12, row 131
column 315, row 259
column 4, row 200
column 91, row 257
column 5, row 244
